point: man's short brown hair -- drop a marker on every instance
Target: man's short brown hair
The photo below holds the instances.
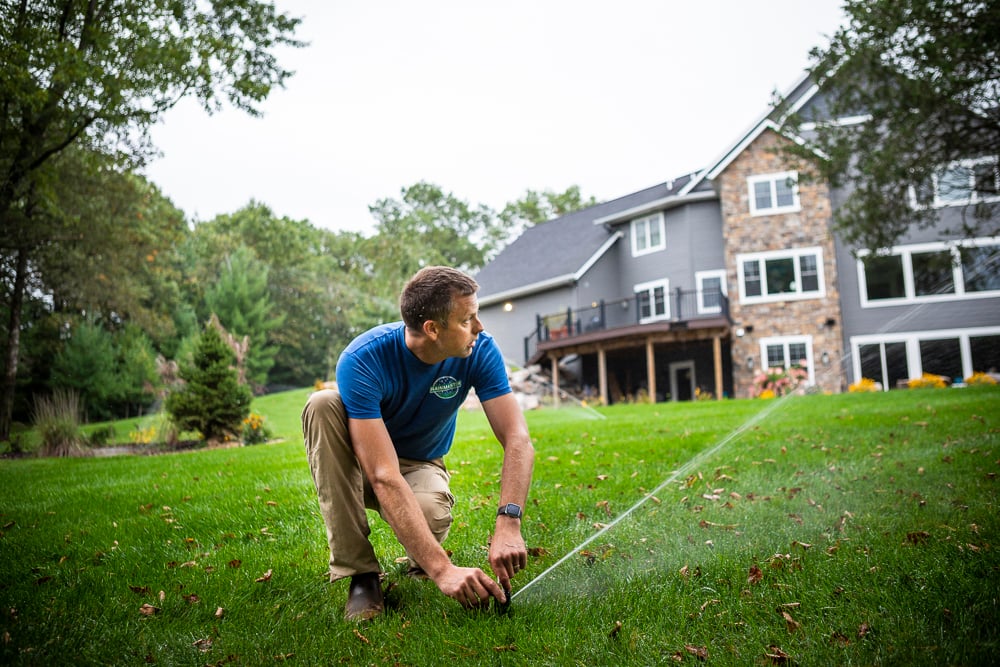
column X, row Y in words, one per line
column 430, row 295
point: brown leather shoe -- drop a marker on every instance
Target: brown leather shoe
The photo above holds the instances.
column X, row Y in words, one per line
column 364, row 597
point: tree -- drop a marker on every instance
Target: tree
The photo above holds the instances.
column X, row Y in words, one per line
column 537, row 207
column 86, row 365
column 98, row 75
column 241, row 300
column 312, row 279
column 926, row 77
column 212, row 401
column 429, row 226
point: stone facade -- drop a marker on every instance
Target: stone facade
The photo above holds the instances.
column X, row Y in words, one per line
column 816, row 318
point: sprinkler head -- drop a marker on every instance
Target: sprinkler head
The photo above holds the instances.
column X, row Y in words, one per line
column 502, row 606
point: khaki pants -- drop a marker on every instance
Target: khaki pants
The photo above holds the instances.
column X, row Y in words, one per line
column 344, row 493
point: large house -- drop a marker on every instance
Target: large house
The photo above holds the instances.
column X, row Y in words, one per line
column 695, row 286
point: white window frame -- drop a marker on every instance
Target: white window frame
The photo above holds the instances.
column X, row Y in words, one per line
column 912, row 339
column 773, row 179
column 785, row 341
column 700, row 277
column 792, row 253
column 640, row 231
column 649, row 288
column 909, row 283
column 973, row 198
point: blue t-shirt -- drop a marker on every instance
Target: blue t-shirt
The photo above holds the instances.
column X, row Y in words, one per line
column 380, row 378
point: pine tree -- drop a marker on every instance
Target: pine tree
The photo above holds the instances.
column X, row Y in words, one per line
column 212, row 401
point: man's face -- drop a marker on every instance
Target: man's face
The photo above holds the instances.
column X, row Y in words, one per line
column 459, row 337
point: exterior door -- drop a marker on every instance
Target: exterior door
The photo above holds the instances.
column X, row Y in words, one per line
column 682, row 380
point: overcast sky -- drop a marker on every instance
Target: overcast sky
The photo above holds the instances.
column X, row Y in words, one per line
column 489, row 99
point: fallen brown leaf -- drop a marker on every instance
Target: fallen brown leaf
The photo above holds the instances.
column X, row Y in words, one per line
column 265, row 577
column 148, row 609
column 776, row 655
column 615, row 630
column 790, row 623
column 364, row 640
column 700, row 652
column 755, row 576
column 508, row 647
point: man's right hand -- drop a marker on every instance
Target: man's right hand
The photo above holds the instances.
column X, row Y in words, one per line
column 470, row 586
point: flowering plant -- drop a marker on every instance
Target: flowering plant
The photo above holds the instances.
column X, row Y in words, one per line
column 777, row 381
column 980, row 378
column 865, row 384
column 928, row 380
column 254, row 430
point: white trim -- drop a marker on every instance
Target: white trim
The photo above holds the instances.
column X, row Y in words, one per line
column 910, row 296
column 649, row 287
column 972, row 198
column 785, row 341
column 551, row 283
column 648, row 222
column 844, row 121
column 661, row 204
column 912, row 340
column 699, row 279
column 773, row 179
column 789, row 253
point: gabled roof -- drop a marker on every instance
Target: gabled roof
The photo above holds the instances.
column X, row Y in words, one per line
column 558, row 252
column 800, row 94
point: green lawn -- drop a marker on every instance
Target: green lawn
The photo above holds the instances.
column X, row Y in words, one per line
column 813, row 530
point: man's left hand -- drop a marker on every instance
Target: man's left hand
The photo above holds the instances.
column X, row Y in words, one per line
column 508, row 553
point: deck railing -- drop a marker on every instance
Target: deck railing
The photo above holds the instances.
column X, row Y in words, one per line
column 676, row 306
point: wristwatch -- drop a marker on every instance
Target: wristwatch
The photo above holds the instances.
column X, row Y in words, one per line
column 511, row 510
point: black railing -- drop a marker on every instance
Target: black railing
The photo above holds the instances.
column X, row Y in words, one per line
column 678, row 306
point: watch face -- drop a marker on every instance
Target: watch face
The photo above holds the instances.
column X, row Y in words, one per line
column 510, row 509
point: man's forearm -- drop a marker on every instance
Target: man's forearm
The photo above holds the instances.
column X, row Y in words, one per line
column 402, row 513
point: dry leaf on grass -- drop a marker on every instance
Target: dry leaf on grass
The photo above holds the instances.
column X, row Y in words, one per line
column 776, row 656
column 265, row 577
column 700, row 652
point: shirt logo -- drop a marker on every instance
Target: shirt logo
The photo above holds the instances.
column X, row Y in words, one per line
column 446, row 387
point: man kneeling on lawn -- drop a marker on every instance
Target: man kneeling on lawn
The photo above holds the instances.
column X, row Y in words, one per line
column 379, row 442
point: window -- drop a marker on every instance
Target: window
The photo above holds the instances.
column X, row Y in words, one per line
column 652, row 300
column 894, row 358
column 785, row 352
column 711, row 290
column 961, row 182
column 648, row 234
column 781, row 275
column 930, row 271
column 980, row 268
column 774, row 193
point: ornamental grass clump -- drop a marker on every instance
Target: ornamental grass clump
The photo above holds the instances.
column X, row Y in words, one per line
column 57, row 419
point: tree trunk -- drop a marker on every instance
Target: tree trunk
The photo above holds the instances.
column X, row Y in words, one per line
column 13, row 344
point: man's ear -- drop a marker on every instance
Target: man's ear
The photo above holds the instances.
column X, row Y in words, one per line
column 431, row 329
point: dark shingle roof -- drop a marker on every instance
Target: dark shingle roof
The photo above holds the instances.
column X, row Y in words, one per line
column 562, row 246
